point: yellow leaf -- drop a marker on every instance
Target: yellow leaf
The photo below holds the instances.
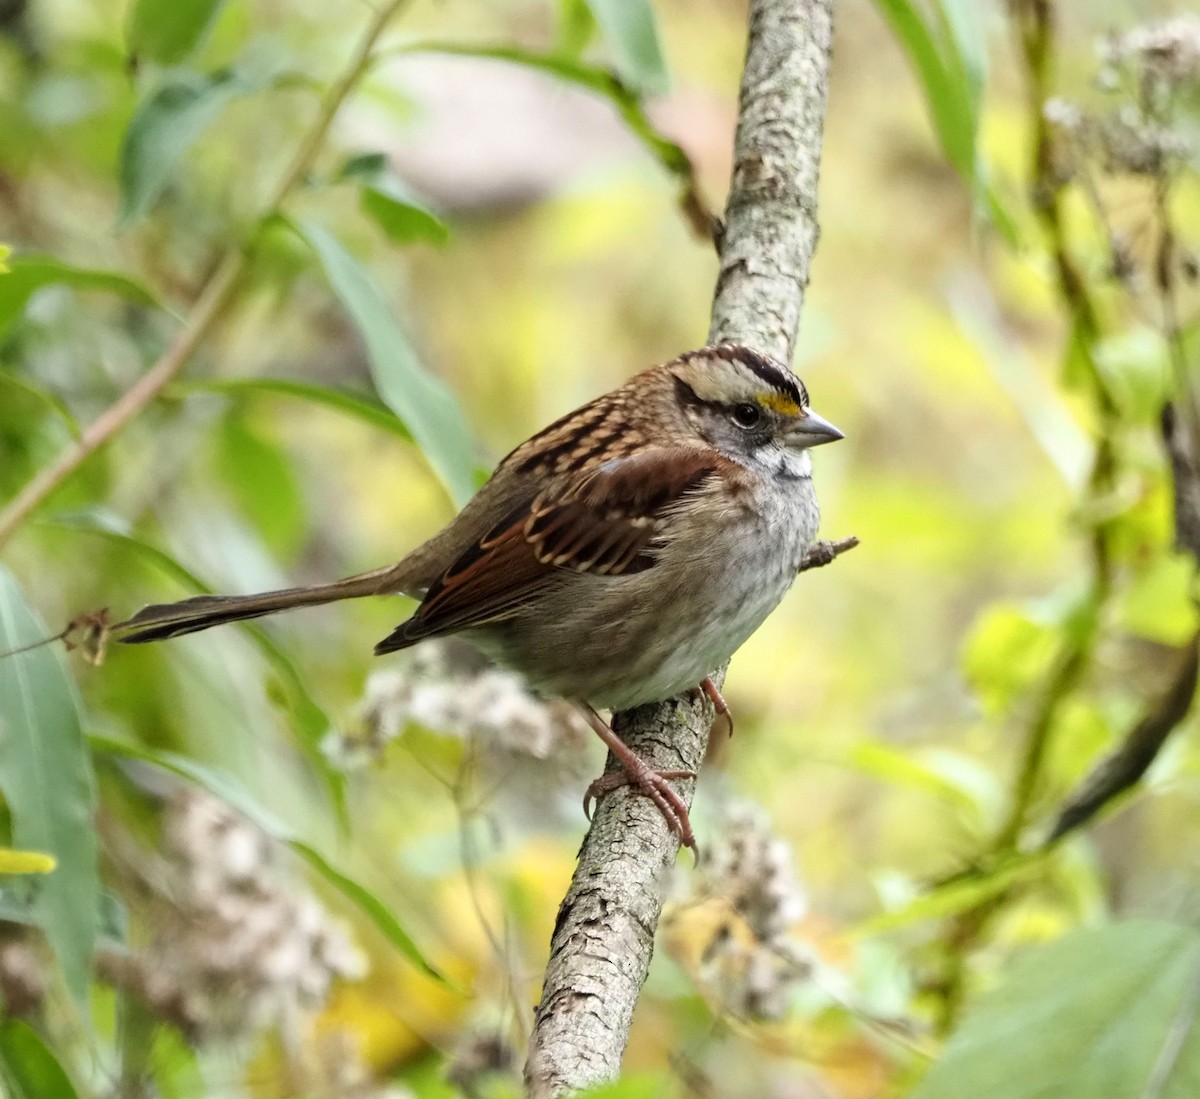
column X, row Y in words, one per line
column 5, row 252
column 25, row 862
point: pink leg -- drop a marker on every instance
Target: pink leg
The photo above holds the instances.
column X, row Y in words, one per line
column 719, row 704
column 643, row 778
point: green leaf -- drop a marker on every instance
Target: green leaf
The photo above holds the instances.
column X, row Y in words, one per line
column 629, row 27
column 46, row 776
column 167, row 31
column 425, row 404
column 258, row 475
column 163, row 128
column 390, row 204
column 1104, row 1013
column 1005, row 652
column 401, row 214
column 576, row 28
column 225, row 788
column 52, row 401
column 931, row 772
column 1158, row 604
column 28, row 274
column 957, row 895
column 950, row 72
column 363, row 408
column 25, row 862
column 30, row 1069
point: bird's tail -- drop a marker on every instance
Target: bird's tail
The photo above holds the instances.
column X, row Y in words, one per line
column 163, row 620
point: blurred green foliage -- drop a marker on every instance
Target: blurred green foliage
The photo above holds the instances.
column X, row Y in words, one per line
column 486, row 233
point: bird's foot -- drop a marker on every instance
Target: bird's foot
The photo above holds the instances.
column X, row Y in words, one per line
column 709, row 690
column 644, row 779
column 656, row 785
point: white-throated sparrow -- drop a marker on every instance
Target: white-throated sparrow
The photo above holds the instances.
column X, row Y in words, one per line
column 615, row 558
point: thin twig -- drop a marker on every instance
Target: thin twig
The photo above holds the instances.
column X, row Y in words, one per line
column 823, row 553
column 1126, row 765
column 216, row 295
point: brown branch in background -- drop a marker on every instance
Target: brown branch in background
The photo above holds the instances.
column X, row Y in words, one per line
column 1124, row 767
column 604, row 936
column 217, row 294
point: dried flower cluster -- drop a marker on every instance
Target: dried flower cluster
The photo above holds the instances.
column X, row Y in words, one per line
column 448, row 688
column 733, row 933
column 1166, row 52
column 1137, row 134
column 1148, row 66
column 238, row 946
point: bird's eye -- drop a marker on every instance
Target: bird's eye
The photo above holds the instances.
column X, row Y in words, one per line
column 746, row 415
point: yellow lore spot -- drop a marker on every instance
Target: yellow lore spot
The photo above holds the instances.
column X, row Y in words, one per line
column 777, row 402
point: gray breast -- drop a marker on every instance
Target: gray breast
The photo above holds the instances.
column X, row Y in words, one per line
column 621, row 641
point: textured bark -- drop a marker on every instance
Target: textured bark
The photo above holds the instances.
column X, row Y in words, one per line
column 604, row 936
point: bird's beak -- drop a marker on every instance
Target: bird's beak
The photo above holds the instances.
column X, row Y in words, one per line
column 812, row 430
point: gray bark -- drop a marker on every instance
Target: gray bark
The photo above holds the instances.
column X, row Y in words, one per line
column 604, row 936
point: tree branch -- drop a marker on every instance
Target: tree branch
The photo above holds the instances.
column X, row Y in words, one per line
column 604, row 936
column 216, row 294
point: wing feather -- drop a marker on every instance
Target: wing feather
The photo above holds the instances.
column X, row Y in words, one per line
column 603, row 521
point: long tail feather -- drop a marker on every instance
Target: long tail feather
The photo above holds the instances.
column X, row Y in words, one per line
column 163, row 620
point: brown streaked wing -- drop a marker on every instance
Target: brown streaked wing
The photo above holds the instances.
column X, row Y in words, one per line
column 601, row 521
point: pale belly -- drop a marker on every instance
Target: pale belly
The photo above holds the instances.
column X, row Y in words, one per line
column 619, row 642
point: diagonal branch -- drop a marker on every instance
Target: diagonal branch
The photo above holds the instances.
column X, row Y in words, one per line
column 600, row 951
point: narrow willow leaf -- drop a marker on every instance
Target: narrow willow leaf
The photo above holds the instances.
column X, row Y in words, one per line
column 258, row 475
column 25, row 862
column 28, row 274
column 390, row 203
column 52, row 401
column 427, row 407
column 163, row 128
column 30, row 1069
column 629, row 27
column 950, row 79
column 367, row 409
column 1103, row 1013
column 576, row 28
column 400, row 214
column 954, row 896
column 223, row 787
column 46, row 776
column 168, row 31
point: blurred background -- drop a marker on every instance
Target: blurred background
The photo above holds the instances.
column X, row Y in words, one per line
column 270, row 838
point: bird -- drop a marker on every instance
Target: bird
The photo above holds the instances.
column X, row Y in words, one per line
column 616, row 557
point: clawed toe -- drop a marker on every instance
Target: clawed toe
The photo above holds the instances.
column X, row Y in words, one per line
column 636, row 772
column 656, row 786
